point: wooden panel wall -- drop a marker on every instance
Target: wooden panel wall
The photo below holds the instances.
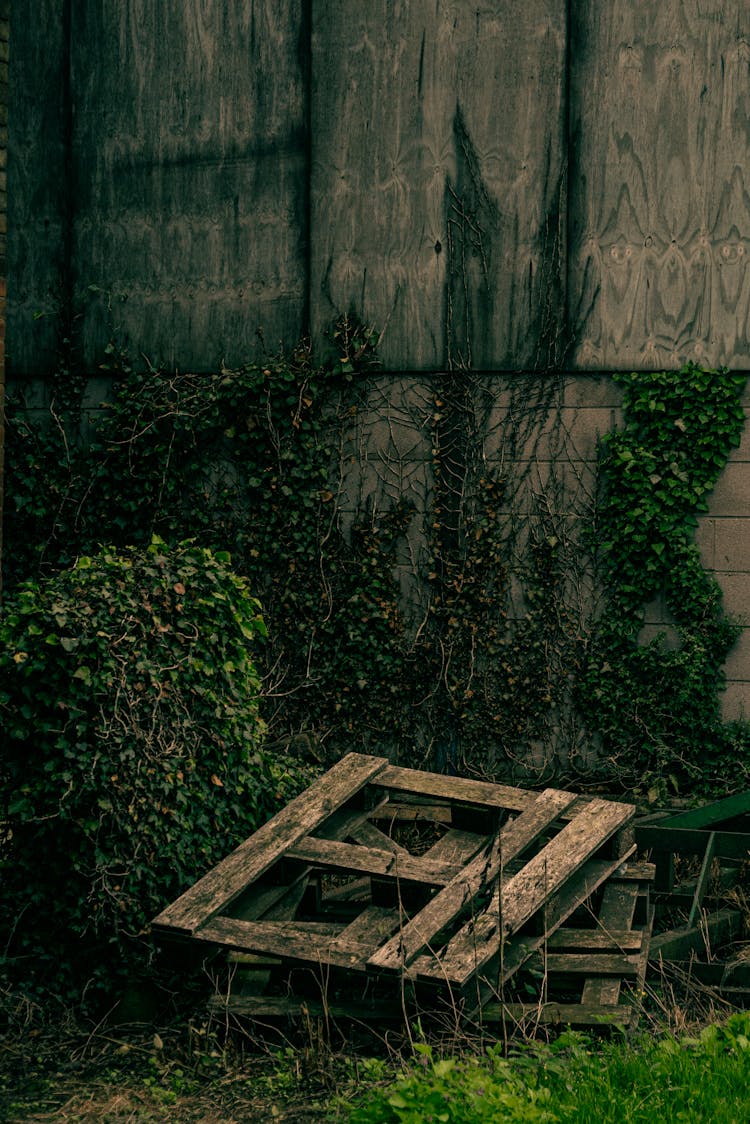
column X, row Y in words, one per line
column 38, row 183
column 660, row 203
column 4, row 51
column 230, row 165
column 189, row 159
column 436, row 200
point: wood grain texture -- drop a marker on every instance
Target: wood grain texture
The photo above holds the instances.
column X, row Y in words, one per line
column 455, row 897
column 660, row 188
column 36, row 186
column 478, row 942
column 190, row 165
column 260, row 851
column 437, row 177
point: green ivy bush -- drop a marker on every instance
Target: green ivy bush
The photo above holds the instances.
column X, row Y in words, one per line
column 132, row 757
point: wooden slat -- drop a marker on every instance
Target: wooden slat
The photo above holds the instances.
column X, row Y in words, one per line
column 616, row 912
column 398, row 865
column 373, row 925
column 516, row 951
column 290, row 1007
column 462, row 790
column 224, row 882
column 558, row 1014
column 358, row 889
column 457, row 847
column 419, row 811
column 596, row 940
column 601, row 964
column 371, row 836
column 275, row 903
column 342, row 823
column 635, row 872
column 298, row 943
column 522, row 896
column 455, row 897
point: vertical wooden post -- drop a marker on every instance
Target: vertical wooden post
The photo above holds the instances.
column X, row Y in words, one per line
column 4, row 40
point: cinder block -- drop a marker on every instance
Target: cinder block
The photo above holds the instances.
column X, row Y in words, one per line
column 736, row 590
column 735, row 701
column 737, row 665
column 705, row 540
column 592, row 391
column 725, row 543
column 732, row 492
column 567, row 432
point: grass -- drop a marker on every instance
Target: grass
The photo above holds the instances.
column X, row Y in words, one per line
column 54, row 1070
column 665, row 1079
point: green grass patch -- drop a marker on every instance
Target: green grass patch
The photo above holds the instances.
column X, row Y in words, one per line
column 706, row 1078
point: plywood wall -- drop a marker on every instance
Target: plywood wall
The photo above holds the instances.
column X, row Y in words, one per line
column 495, row 185
column 660, row 139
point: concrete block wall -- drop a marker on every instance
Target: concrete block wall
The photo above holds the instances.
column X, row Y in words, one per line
column 547, row 443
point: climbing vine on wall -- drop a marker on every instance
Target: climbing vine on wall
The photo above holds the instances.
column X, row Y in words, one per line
column 656, row 704
column 438, row 603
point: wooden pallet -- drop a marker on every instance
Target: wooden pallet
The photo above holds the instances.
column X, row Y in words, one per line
column 379, row 878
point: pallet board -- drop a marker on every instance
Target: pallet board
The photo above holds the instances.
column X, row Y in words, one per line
column 371, row 881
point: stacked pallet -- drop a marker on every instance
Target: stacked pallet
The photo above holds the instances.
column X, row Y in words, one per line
column 382, row 891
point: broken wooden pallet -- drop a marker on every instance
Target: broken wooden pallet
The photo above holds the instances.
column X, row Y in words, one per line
column 381, row 877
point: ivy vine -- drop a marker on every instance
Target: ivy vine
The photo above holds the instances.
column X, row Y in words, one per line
column 477, row 677
column 656, row 704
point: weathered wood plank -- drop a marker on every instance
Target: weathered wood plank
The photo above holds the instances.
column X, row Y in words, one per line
column 350, row 857
column 431, row 217
column 356, row 890
column 448, row 903
column 271, row 902
column 370, row 836
column 324, row 943
column 514, row 952
column 373, row 925
column 457, row 847
column 299, row 943
column 596, row 940
column 462, row 790
column 616, row 911
column 660, row 200
column 289, row 1007
column 224, row 882
column 478, row 942
column 190, row 166
column 559, row 1014
column 585, row 964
